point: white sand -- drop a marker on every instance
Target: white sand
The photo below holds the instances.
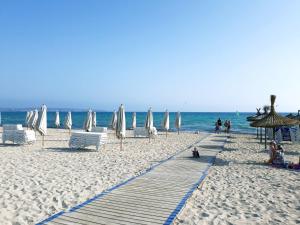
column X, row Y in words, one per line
column 36, row 183
column 241, row 190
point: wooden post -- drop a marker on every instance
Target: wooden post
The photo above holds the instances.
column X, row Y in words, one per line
column 265, row 138
column 260, row 135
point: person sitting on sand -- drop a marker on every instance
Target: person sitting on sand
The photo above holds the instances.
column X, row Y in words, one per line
column 279, row 156
column 272, row 150
column 196, row 153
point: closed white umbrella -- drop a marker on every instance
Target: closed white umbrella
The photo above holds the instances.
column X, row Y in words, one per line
column 114, row 119
column 42, row 122
column 88, row 124
column 149, row 122
column 57, row 120
column 133, row 120
column 68, row 122
column 94, row 119
column 121, row 125
column 178, row 121
column 34, row 119
column 166, row 122
column 28, row 117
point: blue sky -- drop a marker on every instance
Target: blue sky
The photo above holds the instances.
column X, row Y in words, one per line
column 180, row 55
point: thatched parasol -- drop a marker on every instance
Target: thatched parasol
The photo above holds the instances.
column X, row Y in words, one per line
column 259, row 116
column 272, row 120
column 290, row 115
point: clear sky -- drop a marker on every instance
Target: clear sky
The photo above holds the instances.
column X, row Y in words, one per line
column 181, row 55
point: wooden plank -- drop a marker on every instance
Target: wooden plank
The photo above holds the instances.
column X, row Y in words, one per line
column 93, row 218
column 148, row 212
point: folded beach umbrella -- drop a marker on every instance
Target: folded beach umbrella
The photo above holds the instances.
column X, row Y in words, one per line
column 166, row 122
column 121, row 125
column 149, row 122
column 68, row 121
column 94, row 119
column 42, row 122
column 29, row 114
column 57, row 120
column 114, row 119
column 178, row 121
column 34, row 119
column 133, row 120
column 273, row 120
column 88, row 124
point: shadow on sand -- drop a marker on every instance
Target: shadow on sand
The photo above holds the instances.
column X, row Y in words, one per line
column 71, row 150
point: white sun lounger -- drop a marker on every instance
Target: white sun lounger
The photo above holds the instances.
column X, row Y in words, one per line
column 143, row 132
column 99, row 129
column 17, row 135
column 82, row 139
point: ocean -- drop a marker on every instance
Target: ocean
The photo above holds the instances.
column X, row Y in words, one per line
column 191, row 121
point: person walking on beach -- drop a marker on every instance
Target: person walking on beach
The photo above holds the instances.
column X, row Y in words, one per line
column 228, row 126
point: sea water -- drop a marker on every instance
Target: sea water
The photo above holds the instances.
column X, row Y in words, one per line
column 191, row 121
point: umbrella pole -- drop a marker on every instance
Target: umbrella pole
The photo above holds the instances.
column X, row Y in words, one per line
column 265, row 138
column 273, row 133
column 260, row 135
column 178, row 130
column 166, row 134
column 257, row 133
column 121, row 145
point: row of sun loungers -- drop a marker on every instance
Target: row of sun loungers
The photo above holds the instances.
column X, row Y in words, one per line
column 78, row 139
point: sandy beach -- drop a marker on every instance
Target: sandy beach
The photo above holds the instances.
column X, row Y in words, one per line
column 36, row 183
column 240, row 189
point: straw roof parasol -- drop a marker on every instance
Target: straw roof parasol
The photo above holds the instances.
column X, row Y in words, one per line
column 290, row 115
column 252, row 118
column 273, row 119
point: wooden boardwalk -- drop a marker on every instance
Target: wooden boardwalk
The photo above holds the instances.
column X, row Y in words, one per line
column 156, row 197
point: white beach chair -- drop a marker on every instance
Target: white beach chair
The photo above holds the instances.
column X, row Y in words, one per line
column 82, row 139
column 99, row 129
column 143, row 132
column 17, row 135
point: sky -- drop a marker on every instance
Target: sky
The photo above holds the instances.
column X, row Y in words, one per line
column 172, row 54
